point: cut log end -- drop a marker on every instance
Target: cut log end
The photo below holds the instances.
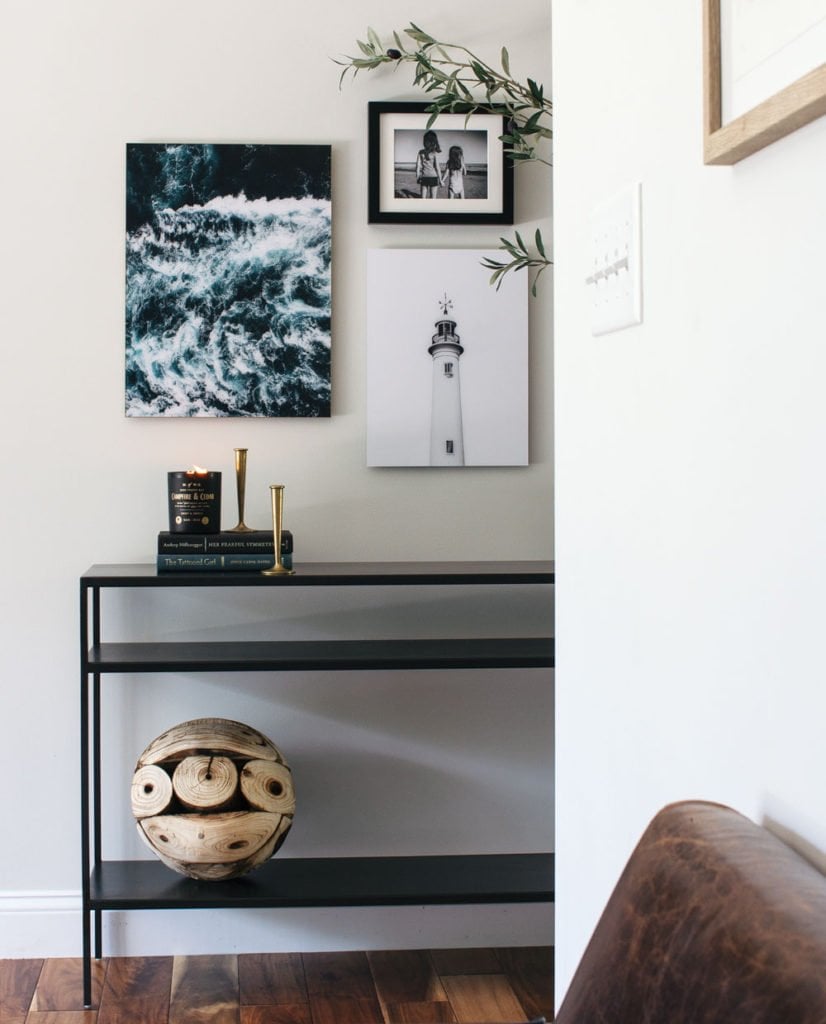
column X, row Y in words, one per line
column 205, row 782
column 151, row 791
column 268, row 786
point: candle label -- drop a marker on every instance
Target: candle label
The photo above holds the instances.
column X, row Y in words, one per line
column 194, row 502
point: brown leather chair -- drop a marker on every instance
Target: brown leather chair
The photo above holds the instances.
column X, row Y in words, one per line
column 713, row 921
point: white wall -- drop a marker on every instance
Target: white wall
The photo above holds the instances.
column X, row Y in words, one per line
column 690, row 493
column 81, row 484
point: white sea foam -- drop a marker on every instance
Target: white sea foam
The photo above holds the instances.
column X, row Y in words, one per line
column 228, row 308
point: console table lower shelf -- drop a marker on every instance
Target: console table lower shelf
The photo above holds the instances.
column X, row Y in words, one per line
column 331, row 882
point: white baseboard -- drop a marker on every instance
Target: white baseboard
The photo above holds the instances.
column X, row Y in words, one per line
column 40, row 924
column 48, row 924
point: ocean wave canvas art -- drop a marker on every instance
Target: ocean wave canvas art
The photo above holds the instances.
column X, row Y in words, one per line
column 228, row 290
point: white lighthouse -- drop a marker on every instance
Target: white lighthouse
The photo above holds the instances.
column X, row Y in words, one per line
column 447, row 446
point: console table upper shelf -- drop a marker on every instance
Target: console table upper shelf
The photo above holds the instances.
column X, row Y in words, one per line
column 296, row 655
column 328, row 574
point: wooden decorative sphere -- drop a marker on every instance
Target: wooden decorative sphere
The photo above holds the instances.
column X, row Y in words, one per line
column 213, row 798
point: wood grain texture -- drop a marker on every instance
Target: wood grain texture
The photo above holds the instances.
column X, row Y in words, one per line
column 419, row 1013
column 487, row 998
column 405, row 976
column 268, row 786
column 267, row 979
column 18, row 980
column 60, row 1017
column 530, row 971
column 217, row 735
column 465, row 961
column 151, row 791
column 341, row 989
column 204, row 988
column 338, row 976
column 346, row 1011
column 60, row 986
column 205, row 782
column 224, row 838
column 136, row 991
column 395, row 987
column 286, row 1013
column 712, row 87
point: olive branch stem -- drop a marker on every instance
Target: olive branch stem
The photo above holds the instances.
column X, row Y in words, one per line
column 459, row 82
column 521, row 258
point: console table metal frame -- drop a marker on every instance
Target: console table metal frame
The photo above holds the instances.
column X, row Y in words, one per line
column 284, row 881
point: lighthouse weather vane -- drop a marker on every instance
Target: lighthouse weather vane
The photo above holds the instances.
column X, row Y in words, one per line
column 446, row 304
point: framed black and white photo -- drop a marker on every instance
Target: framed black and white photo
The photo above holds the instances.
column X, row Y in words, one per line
column 447, row 361
column 228, row 297
column 452, row 172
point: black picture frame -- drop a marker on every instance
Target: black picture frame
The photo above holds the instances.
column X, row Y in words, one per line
column 396, row 134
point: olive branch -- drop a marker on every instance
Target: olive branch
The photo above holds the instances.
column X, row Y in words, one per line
column 460, row 83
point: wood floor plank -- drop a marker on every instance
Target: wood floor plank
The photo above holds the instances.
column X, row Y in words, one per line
column 131, row 976
column 136, row 990
column 18, row 980
column 341, row 989
column 465, row 961
column 483, row 997
column 285, row 1013
column 60, row 1017
column 431, row 1012
column 271, row 979
column 60, row 986
column 204, row 988
column 365, row 1010
column 344, row 975
column 405, row 976
column 530, row 971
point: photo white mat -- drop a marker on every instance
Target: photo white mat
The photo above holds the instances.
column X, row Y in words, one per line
column 388, row 201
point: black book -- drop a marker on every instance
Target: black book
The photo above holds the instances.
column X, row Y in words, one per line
column 194, row 562
column 224, row 543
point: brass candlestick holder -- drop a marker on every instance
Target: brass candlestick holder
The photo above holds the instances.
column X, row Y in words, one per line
column 277, row 495
column 241, row 487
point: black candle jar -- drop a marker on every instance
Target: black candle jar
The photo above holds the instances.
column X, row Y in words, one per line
column 194, row 501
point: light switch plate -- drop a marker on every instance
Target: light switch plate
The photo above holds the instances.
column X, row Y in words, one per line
column 615, row 278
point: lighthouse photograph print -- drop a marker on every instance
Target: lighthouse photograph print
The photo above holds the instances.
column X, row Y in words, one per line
column 447, row 360
column 227, row 280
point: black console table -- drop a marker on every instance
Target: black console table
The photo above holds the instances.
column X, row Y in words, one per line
column 284, row 881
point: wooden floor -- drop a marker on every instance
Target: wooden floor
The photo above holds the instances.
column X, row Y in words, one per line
column 459, row 986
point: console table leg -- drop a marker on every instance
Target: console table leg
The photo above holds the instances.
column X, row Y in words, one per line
column 87, row 957
column 85, row 853
column 98, row 935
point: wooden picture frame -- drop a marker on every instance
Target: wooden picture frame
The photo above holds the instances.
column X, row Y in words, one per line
column 395, row 195
column 799, row 103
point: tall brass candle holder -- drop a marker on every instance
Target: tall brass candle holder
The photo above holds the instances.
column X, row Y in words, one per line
column 241, row 487
column 277, row 495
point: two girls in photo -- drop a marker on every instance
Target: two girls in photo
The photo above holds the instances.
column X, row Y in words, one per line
column 430, row 175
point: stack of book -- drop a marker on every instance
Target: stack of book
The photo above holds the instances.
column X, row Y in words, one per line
column 222, row 552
